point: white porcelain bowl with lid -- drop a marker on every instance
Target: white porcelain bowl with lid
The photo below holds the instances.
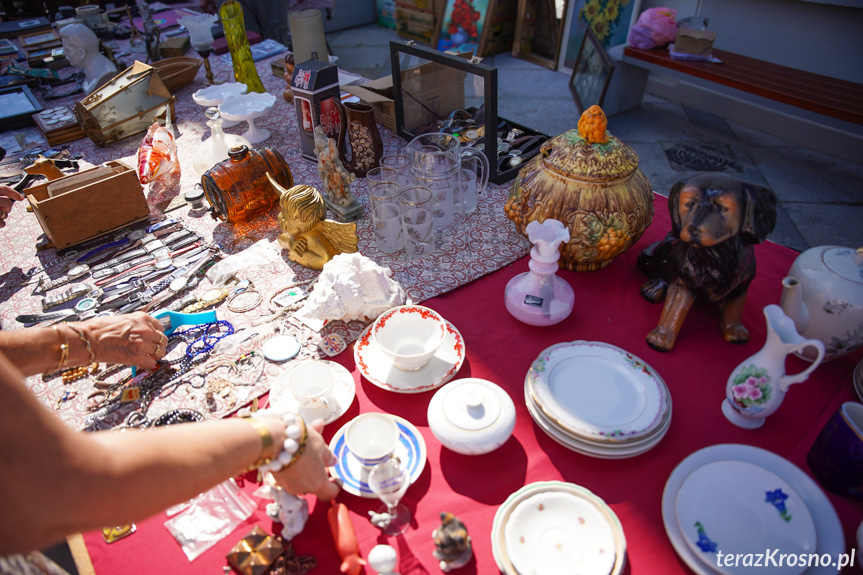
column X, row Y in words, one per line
column 471, row 416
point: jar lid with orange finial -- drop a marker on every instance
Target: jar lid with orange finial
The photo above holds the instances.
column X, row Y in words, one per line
column 589, row 180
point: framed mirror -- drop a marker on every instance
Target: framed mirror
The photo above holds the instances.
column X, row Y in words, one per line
column 591, row 73
column 538, row 30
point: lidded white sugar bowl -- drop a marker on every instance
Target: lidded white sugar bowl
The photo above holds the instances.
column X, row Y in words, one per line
column 471, row 416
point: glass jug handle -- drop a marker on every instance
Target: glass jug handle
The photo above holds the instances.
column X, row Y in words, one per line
column 483, row 175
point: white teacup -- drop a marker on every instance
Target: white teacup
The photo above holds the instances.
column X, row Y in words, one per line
column 372, row 438
column 409, row 334
column 311, row 383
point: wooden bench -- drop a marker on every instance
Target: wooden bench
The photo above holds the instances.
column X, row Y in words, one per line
column 821, row 94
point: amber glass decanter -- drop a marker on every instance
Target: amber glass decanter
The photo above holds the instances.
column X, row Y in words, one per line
column 238, row 188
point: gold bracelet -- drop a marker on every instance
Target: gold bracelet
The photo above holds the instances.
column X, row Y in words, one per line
column 64, row 348
column 82, row 337
column 266, row 443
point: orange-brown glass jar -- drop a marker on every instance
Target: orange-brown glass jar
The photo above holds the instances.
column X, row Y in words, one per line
column 238, row 188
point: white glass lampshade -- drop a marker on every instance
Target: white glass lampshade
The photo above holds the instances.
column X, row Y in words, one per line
column 200, row 30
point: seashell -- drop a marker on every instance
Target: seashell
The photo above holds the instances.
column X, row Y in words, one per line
column 353, row 287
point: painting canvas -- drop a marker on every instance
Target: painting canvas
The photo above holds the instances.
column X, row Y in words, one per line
column 461, row 27
column 610, row 20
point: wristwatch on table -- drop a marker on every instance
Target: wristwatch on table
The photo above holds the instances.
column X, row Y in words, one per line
column 180, row 281
column 74, row 273
column 76, row 291
column 171, row 241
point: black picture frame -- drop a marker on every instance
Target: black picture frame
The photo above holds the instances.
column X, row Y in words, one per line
column 398, row 53
column 12, row 115
column 591, row 73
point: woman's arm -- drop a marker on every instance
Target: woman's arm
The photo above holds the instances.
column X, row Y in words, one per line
column 56, row 481
column 128, row 339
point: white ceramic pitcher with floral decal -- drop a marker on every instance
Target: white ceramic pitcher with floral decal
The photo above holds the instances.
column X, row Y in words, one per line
column 757, row 386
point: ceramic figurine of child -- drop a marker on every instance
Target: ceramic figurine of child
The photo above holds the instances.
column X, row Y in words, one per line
column 452, row 543
column 289, row 510
column 311, row 240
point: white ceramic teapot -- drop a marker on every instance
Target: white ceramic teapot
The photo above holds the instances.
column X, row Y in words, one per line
column 823, row 294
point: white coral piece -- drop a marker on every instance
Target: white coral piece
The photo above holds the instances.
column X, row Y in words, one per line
column 353, row 287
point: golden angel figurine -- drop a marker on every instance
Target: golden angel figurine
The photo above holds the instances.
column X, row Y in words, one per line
column 310, row 239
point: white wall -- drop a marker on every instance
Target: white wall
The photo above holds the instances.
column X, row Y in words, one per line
column 821, row 38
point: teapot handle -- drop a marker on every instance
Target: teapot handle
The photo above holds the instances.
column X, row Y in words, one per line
column 788, row 380
column 482, row 178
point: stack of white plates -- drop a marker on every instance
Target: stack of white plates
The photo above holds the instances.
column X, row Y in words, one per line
column 752, row 506
column 598, row 399
column 551, row 527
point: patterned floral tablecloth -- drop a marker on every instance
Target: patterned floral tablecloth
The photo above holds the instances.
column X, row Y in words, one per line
column 486, row 241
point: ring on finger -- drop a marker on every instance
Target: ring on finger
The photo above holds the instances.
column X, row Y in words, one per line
column 158, row 349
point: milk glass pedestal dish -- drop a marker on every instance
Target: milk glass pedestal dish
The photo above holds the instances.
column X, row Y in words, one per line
column 249, row 107
column 215, row 95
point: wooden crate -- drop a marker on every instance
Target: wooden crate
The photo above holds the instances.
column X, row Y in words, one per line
column 92, row 202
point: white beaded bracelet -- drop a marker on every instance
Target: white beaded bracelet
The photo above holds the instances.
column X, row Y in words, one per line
column 293, row 446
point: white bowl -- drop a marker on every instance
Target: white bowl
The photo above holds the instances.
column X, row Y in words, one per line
column 409, row 334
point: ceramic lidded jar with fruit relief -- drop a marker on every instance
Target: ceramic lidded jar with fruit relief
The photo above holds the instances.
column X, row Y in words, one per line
column 590, row 181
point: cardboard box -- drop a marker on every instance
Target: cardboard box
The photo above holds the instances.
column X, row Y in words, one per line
column 81, row 206
column 379, row 95
column 695, row 42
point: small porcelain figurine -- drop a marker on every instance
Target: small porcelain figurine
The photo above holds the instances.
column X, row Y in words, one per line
column 158, row 164
column 383, row 559
column 337, row 180
column 310, row 239
column 709, row 254
column 289, row 510
column 757, row 386
column 81, row 48
column 452, row 543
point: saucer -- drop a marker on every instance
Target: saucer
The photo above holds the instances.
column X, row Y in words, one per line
column 553, row 532
column 344, row 390
column 379, row 369
column 353, row 477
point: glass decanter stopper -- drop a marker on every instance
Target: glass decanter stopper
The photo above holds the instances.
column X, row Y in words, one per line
column 215, row 148
column 539, row 297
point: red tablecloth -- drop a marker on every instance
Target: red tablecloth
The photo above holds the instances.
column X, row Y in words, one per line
column 608, row 308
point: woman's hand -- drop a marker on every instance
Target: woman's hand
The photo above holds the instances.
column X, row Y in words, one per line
column 129, row 339
column 7, row 196
column 309, row 474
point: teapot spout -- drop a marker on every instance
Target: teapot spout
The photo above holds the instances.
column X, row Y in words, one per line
column 792, row 304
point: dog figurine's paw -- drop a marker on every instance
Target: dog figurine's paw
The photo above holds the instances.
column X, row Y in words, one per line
column 654, row 289
column 735, row 333
column 661, row 339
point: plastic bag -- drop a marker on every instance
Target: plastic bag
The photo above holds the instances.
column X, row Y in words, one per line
column 655, row 27
column 210, row 518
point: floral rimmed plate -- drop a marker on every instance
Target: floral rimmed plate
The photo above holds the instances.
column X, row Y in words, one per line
column 379, row 369
column 598, row 391
column 740, row 508
column 353, row 477
column 502, row 520
column 596, row 449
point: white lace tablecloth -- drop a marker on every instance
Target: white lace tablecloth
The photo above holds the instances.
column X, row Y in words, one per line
column 485, row 242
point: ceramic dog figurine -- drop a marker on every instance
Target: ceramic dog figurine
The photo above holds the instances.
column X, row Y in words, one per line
column 708, row 254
